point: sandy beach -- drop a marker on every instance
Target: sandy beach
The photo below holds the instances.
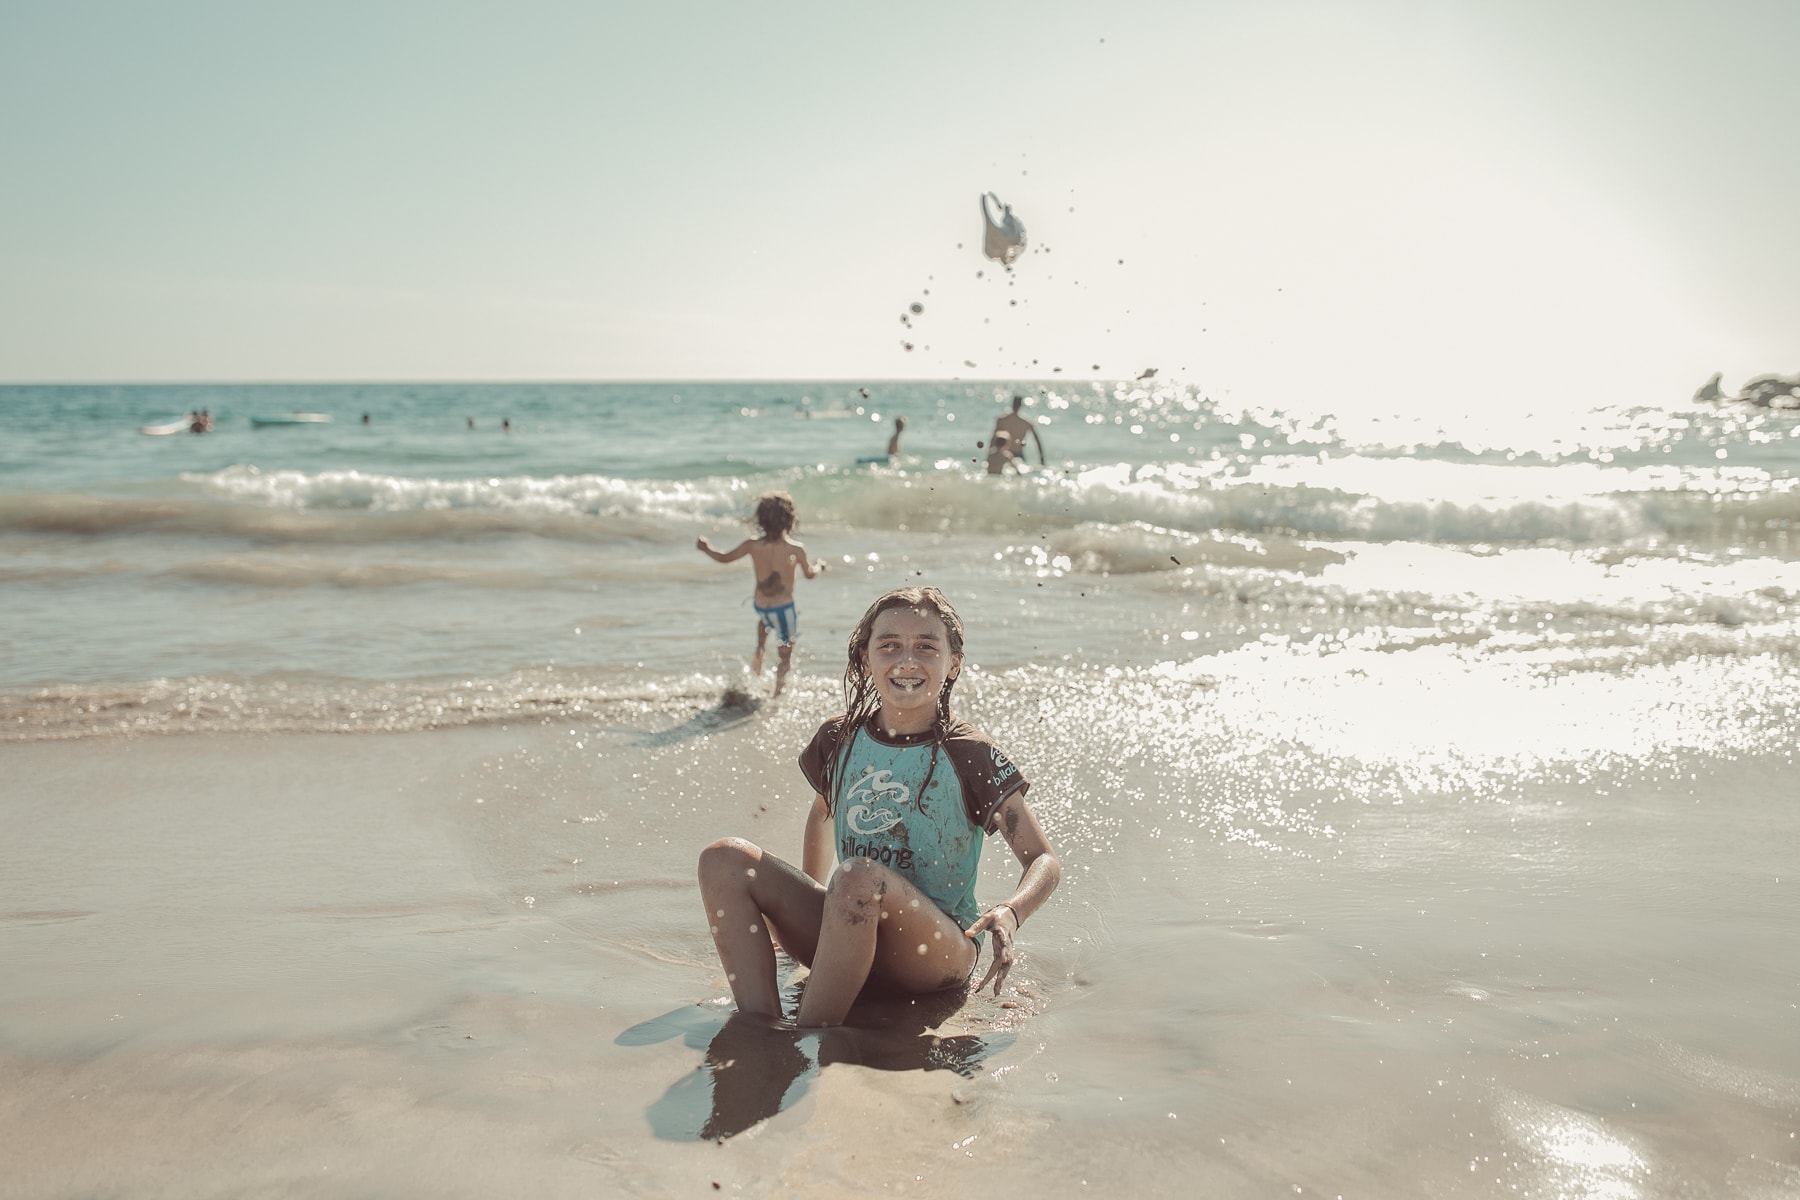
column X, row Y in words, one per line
column 468, row 963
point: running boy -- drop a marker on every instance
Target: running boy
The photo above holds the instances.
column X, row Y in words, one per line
column 903, row 793
column 776, row 557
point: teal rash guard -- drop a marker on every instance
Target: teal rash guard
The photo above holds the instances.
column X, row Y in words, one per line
column 934, row 839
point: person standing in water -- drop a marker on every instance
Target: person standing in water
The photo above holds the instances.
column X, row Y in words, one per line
column 903, row 794
column 776, row 557
column 894, row 442
column 1016, row 426
column 1001, row 454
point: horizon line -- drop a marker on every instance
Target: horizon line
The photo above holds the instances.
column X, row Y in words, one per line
column 849, row 381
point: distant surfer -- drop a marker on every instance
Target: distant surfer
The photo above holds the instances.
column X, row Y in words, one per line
column 1015, row 426
column 894, row 442
column 776, row 557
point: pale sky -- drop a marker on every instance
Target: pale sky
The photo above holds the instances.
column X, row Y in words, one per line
column 1379, row 199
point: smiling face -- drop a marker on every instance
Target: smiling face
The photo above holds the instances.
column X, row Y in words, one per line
column 909, row 660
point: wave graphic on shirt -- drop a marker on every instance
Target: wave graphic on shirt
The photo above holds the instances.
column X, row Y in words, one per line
column 875, row 801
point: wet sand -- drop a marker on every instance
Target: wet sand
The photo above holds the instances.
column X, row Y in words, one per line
column 468, row 963
column 314, row 965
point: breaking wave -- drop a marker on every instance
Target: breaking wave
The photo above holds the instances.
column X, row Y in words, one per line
column 1627, row 509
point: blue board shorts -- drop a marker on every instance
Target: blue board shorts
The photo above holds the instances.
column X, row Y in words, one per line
column 783, row 622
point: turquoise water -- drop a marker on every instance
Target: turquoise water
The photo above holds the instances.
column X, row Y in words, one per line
column 292, row 576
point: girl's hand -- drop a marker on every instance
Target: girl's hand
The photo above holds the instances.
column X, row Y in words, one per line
column 1005, row 929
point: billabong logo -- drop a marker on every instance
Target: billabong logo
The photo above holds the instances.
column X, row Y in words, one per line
column 888, row 856
column 873, row 804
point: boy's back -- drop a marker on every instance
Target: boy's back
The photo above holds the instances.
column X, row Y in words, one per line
column 775, row 560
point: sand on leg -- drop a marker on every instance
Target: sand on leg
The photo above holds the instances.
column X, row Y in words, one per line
column 752, row 899
column 876, row 925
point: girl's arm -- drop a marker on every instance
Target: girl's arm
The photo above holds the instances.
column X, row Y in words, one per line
column 815, row 852
column 1015, row 821
column 805, row 564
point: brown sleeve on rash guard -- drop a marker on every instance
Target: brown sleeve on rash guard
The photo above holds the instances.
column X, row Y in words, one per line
column 987, row 776
column 815, row 760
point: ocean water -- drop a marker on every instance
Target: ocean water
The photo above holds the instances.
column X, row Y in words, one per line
column 1424, row 781
column 351, row 575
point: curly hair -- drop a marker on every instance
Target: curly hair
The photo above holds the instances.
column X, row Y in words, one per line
column 860, row 699
column 775, row 514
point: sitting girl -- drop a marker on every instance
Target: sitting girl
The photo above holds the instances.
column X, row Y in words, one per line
column 903, row 794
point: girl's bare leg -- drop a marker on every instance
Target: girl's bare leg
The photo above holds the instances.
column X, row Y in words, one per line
column 745, row 892
column 762, row 641
column 877, row 925
column 785, row 658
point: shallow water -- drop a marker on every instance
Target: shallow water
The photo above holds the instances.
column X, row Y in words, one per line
column 418, row 550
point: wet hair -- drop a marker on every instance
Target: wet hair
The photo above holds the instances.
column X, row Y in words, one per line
column 775, row 514
column 860, row 699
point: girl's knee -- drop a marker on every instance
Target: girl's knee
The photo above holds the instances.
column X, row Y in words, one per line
column 858, row 889
column 727, row 855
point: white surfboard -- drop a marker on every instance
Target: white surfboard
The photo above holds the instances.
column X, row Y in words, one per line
column 181, row 426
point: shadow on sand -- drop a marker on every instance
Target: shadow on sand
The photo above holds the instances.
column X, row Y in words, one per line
column 735, row 706
column 755, row 1067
